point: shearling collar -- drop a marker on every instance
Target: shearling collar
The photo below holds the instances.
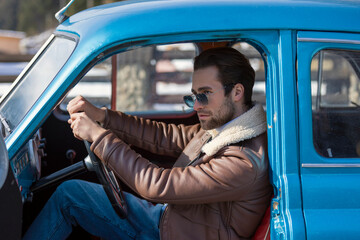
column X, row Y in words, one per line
column 248, row 125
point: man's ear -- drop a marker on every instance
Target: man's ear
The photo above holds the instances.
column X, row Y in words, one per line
column 238, row 92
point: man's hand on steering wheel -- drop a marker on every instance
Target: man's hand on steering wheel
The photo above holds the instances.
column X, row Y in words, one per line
column 84, row 117
column 85, row 128
column 83, row 121
column 80, row 104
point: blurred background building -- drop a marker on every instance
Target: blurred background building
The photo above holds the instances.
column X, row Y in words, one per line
column 24, row 27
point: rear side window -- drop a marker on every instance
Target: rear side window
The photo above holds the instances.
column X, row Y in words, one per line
column 335, row 88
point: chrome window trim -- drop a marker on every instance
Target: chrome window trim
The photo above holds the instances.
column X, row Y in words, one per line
column 330, row 165
column 328, row 40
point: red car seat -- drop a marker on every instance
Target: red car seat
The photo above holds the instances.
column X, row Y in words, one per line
column 263, row 230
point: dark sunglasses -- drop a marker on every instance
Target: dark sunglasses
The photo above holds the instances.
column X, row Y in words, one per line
column 202, row 98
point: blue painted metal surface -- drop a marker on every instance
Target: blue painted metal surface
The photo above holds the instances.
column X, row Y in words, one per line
column 189, row 16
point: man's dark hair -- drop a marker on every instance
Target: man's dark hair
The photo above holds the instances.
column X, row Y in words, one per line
column 233, row 68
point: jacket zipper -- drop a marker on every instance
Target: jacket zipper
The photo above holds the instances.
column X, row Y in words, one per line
column 197, row 158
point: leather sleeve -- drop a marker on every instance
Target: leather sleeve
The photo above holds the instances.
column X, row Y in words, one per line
column 156, row 137
column 222, row 178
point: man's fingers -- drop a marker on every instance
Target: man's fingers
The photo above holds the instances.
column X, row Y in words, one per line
column 75, row 117
column 83, row 127
column 76, row 99
column 75, row 125
column 76, row 105
column 72, row 124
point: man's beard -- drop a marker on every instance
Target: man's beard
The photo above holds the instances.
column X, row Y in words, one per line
column 224, row 115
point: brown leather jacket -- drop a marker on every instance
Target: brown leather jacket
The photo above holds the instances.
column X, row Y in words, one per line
column 223, row 196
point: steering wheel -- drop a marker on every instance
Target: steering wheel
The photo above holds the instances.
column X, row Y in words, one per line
column 108, row 181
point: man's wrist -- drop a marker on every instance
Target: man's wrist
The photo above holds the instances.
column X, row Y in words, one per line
column 98, row 132
column 101, row 116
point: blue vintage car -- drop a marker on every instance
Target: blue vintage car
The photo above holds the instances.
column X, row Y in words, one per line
column 135, row 56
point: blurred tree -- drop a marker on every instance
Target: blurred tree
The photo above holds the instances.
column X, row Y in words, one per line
column 8, row 14
column 80, row 5
column 35, row 16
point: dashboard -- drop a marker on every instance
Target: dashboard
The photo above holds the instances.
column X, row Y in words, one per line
column 26, row 165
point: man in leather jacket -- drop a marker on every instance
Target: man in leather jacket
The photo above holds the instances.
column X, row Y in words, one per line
column 217, row 189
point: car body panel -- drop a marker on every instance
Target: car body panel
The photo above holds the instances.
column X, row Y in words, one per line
column 330, row 186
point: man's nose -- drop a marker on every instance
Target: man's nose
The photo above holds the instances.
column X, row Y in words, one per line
column 197, row 105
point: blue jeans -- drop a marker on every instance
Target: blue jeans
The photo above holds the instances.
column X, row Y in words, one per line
column 78, row 202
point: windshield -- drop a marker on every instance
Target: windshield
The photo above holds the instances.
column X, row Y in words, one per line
column 28, row 89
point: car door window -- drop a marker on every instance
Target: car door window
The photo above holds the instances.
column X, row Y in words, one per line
column 94, row 86
column 335, row 88
column 154, row 78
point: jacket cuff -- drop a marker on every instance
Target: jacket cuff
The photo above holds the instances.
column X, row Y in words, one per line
column 113, row 119
column 105, row 145
column 98, row 140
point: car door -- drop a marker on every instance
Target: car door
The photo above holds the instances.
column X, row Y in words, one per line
column 10, row 198
column 329, row 134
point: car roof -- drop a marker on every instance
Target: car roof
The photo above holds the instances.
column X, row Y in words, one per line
column 108, row 25
column 201, row 15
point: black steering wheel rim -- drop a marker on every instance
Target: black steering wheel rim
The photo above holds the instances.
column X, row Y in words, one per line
column 108, row 181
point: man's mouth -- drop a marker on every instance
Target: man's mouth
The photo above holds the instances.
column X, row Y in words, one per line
column 203, row 116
